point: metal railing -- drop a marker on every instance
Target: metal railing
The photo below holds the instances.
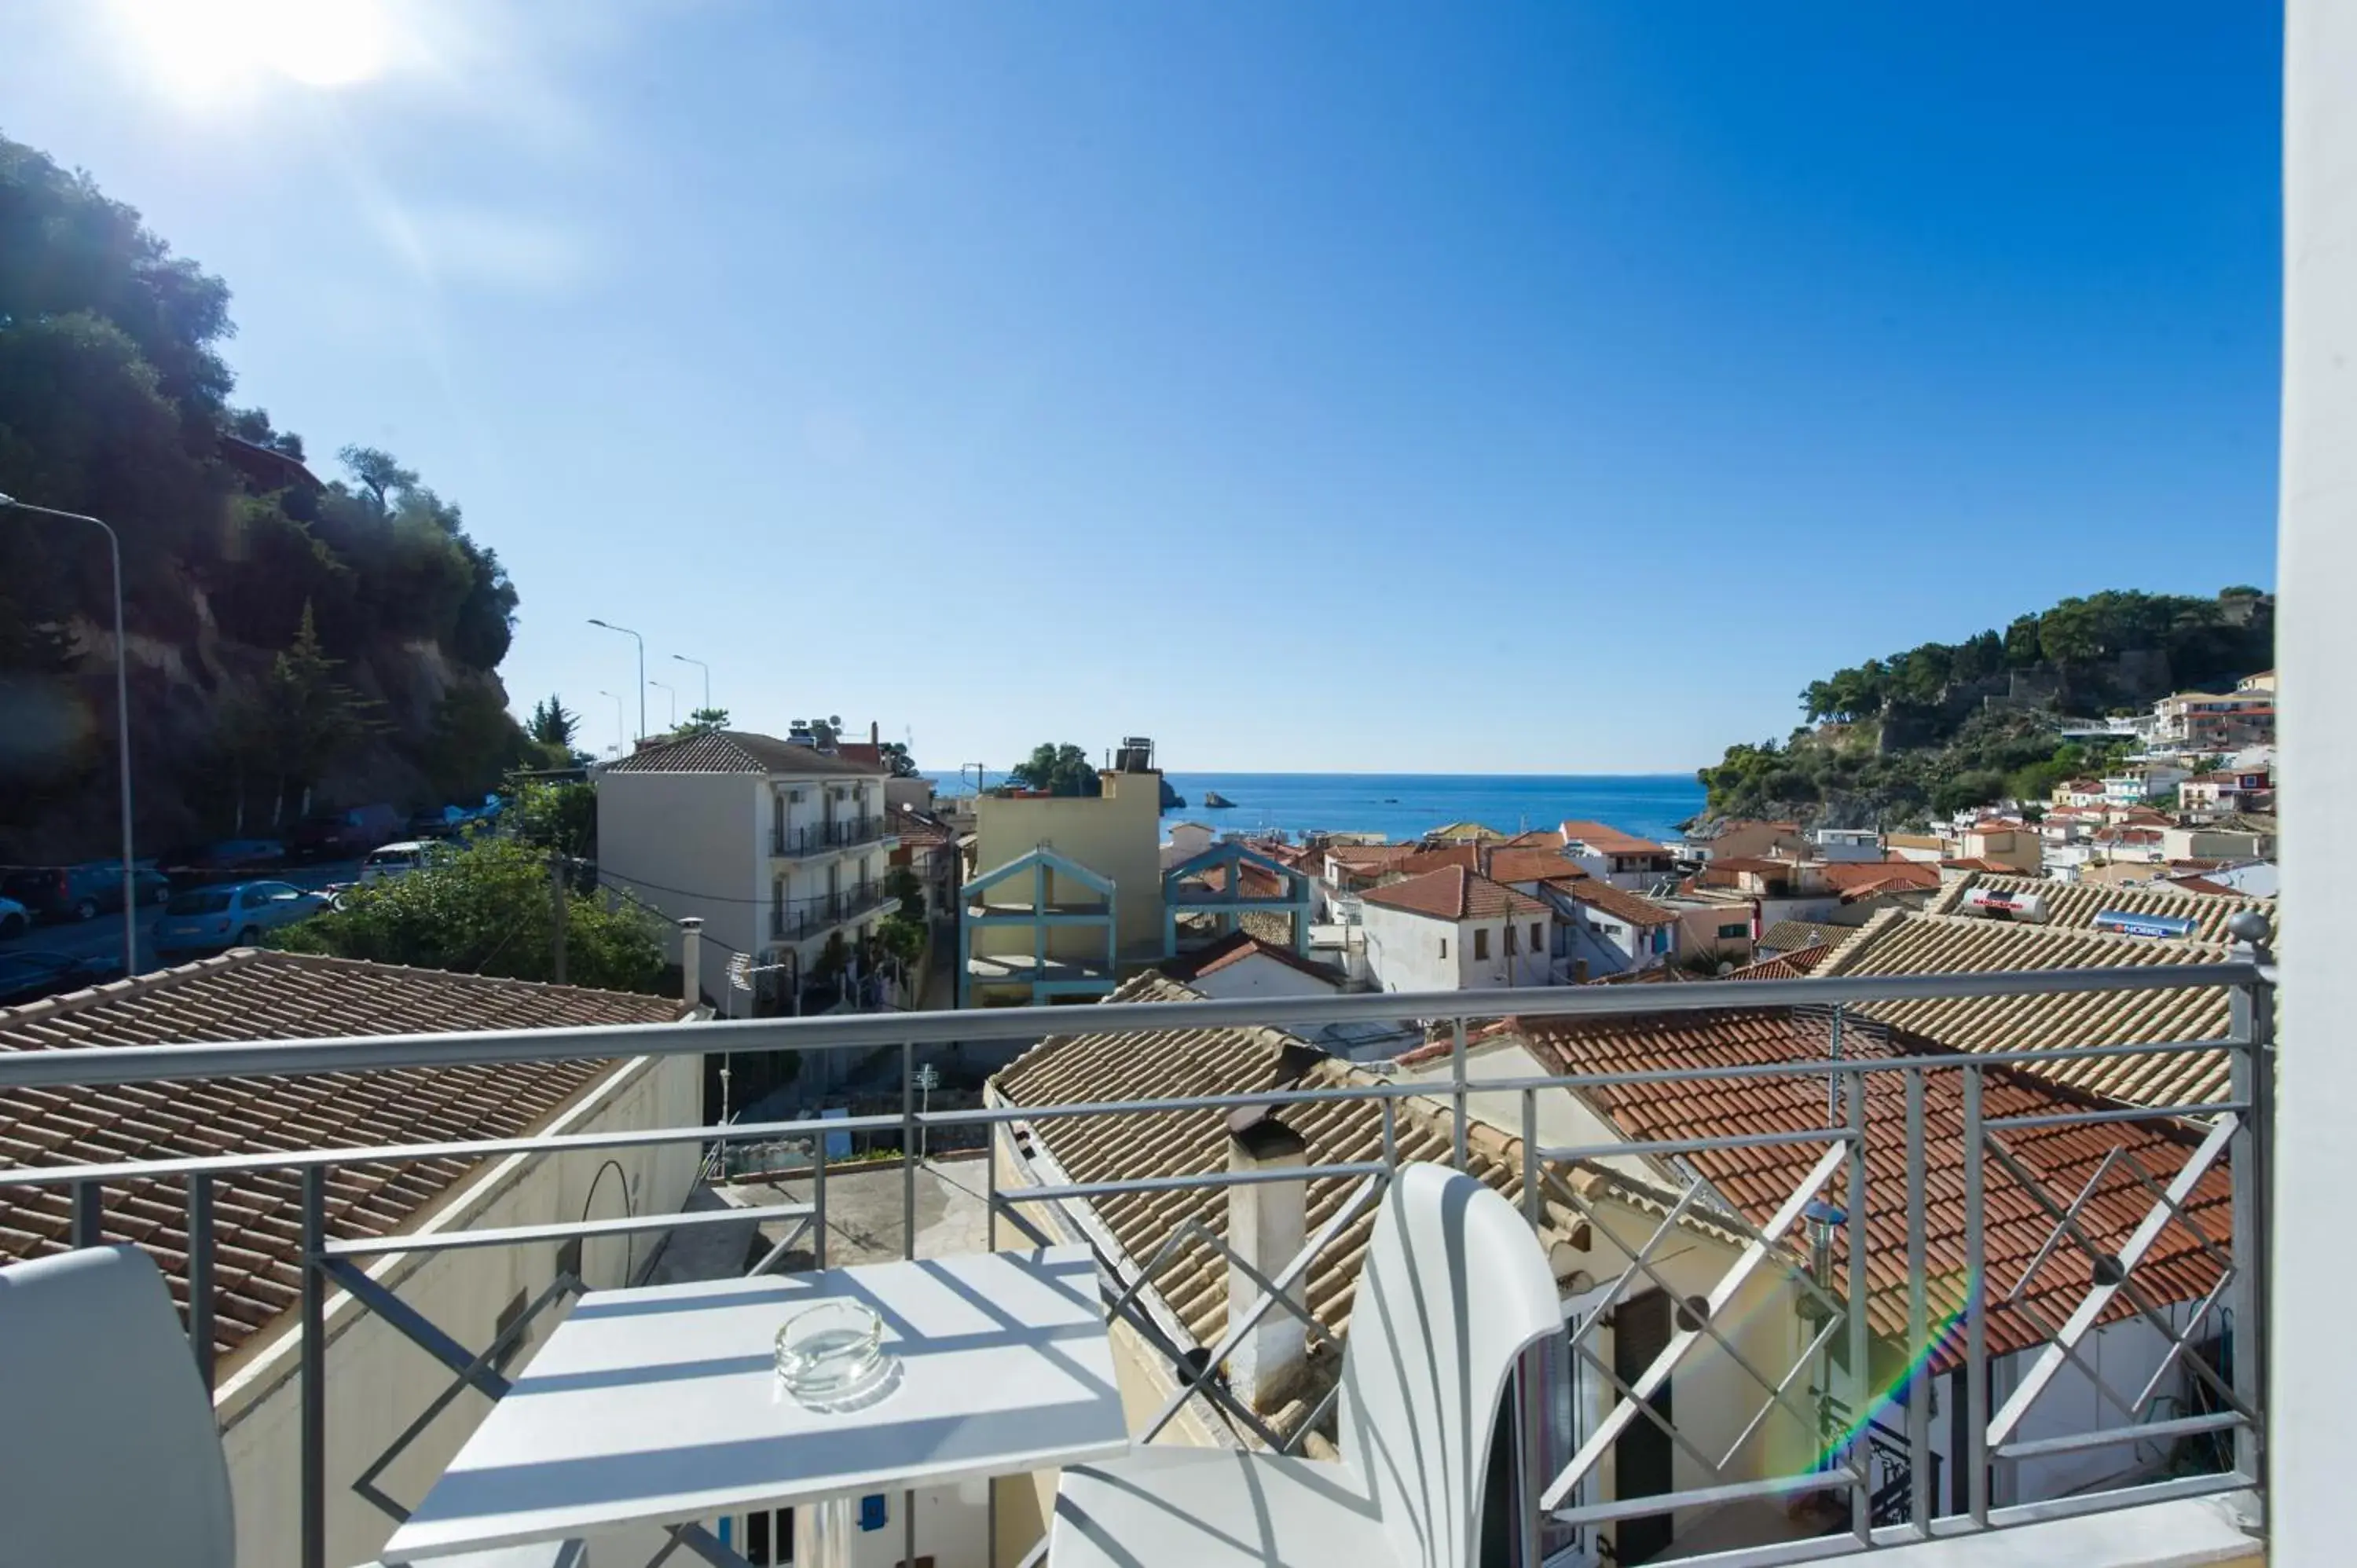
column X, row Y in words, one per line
column 809, row 917
column 822, row 838
column 1879, row 1460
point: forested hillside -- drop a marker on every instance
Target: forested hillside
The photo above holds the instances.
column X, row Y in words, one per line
column 1946, row 726
column 294, row 633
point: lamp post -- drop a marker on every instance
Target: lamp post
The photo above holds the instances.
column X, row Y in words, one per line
column 122, row 718
column 621, row 725
column 672, row 693
column 641, row 641
column 700, row 664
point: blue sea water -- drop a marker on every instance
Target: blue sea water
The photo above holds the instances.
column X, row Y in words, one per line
column 1404, row 806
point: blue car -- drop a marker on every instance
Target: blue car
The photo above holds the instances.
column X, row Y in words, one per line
column 232, row 914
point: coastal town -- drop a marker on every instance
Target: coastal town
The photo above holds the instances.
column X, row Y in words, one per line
column 499, row 1091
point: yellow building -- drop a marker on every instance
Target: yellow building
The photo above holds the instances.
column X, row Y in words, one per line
column 1063, row 891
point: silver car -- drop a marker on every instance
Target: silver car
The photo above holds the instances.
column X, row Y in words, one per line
column 232, row 914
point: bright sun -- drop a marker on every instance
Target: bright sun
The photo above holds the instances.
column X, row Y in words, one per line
column 207, row 47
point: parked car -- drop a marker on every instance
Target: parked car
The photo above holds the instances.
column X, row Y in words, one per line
column 387, row 861
column 30, row 976
column 82, row 892
column 232, row 914
column 14, row 919
column 330, row 835
column 238, row 854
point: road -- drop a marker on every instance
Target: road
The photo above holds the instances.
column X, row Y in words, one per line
column 103, row 938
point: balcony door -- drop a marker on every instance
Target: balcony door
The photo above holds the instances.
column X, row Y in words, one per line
column 1642, row 1457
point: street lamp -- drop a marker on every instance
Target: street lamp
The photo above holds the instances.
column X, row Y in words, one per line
column 621, row 725
column 641, row 641
column 122, row 718
column 700, row 664
column 674, row 695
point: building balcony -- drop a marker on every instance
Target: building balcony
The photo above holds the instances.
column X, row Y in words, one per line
column 803, row 841
column 803, row 918
column 1765, row 1291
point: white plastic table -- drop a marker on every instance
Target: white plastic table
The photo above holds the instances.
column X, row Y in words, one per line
column 662, row 1406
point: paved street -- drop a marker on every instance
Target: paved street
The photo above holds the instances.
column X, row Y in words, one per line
column 103, row 938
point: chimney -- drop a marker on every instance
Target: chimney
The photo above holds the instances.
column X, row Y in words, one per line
column 1267, row 1225
column 875, row 733
column 690, row 959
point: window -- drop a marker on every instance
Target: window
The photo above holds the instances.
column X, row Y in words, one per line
column 1537, row 942
column 1482, row 941
column 1444, row 946
column 1734, row 933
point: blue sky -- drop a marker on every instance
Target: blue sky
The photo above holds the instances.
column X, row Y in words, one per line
column 1550, row 388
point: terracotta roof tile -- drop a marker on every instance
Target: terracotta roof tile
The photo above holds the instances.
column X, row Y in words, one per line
column 1234, row 949
column 247, row 995
column 1622, row 903
column 1757, row 1181
column 739, row 751
column 2074, row 905
column 1785, row 966
column 1454, row 893
column 1531, row 864
column 1897, row 942
column 1843, row 876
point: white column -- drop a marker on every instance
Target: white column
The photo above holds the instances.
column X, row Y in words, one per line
column 2311, row 1507
column 1268, row 1223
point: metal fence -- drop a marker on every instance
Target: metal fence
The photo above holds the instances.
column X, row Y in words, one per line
column 818, row 838
column 1879, row 1466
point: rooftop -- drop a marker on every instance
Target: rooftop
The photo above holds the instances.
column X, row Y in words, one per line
column 2073, row 906
column 1620, row 903
column 1895, row 942
column 1531, row 864
column 740, row 751
column 1454, row 893
column 1234, row 949
column 1605, row 839
column 248, row 995
column 1757, row 1181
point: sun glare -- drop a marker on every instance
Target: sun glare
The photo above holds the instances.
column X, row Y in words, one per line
column 203, row 48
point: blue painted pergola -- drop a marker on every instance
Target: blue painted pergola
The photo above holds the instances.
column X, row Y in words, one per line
column 1184, row 893
column 1032, row 881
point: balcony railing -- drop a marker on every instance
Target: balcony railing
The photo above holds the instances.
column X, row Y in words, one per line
column 1879, row 1456
column 824, row 838
column 809, row 917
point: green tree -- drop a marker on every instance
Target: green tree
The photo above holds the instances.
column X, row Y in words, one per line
column 1057, row 770
column 896, row 756
column 474, row 742
column 304, row 720
column 703, row 720
column 553, row 724
column 558, row 817
column 490, row 908
column 378, row 473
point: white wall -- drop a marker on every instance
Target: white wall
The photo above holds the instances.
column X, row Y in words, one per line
column 1403, row 951
column 691, row 844
column 378, row 1381
column 2311, row 1508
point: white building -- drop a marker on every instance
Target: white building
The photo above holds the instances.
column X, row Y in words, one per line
column 378, row 1382
column 1453, row 929
column 779, row 847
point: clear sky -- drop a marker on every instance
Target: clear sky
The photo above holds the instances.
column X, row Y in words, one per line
column 1543, row 388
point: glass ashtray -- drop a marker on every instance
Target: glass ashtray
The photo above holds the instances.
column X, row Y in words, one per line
column 831, row 1356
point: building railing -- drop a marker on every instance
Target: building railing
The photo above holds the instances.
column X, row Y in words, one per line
column 804, row 839
column 1877, row 1465
column 809, row 917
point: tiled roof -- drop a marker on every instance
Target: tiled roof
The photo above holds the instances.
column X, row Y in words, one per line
column 1530, row 865
column 1180, row 1062
column 1605, row 839
column 1785, row 966
column 1535, row 838
column 2075, row 904
column 1790, row 936
column 1469, row 832
column 1622, row 903
column 1895, row 942
column 1844, row 875
column 1660, row 975
column 918, row 831
column 1236, row 947
column 739, row 751
column 1369, row 854
column 248, row 996
column 1758, row 1180
column 1454, row 893
column 1418, row 861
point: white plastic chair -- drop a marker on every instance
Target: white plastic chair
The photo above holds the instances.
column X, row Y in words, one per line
column 108, row 1451
column 1455, row 1289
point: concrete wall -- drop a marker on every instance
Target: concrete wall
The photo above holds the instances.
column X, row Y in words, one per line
column 1117, row 834
column 378, row 1381
column 691, row 844
column 1404, row 951
column 2311, row 1508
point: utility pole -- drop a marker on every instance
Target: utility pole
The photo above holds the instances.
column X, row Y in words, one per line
column 559, row 895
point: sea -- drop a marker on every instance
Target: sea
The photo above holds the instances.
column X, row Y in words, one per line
column 1404, row 806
